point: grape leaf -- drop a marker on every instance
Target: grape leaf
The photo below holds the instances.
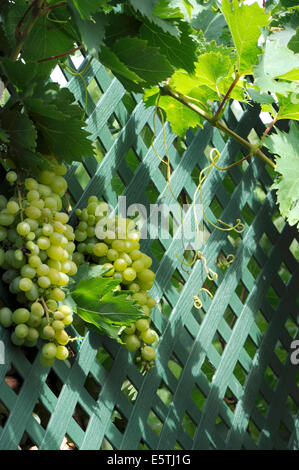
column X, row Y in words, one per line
column 145, row 8
column 146, row 61
column 18, row 73
column 180, row 116
column 293, row 44
column 96, row 299
column 87, row 7
column 20, row 129
column 288, row 106
column 168, row 9
column 181, row 53
column 245, row 23
column 92, row 32
column 209, row 22
column 4, row 136
column 276, row 61
column 285, row 146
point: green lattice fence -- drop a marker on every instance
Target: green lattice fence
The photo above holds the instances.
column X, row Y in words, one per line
column 223, row 377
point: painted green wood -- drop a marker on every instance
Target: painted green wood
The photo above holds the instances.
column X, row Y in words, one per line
column 183, row 402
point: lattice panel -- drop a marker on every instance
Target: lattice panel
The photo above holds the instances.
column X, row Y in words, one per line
column 223, row 377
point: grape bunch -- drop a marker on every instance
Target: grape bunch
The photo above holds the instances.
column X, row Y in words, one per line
column 113, row 242
column 37, row 246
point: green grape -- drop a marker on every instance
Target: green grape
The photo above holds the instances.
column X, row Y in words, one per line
column 112, row 255
column 65, row 309
column 13, row 207
column 49, row 350
column 3, row 234
column 62, row 353
column 56, row 253
column 73, row 270
column 33, row 212
column 34, row 321
column 47, row 362
column 58, row 294
column 63, row 279
column 11, row 177
column 126, row 258
column 146, row 275
column 21, row 315
column 151, row 302
column 9, row 275
column 37, row 309
column 15, row 340
column 80, row 236
column 46, row 177
column 138, row 266
column 23, row 228
column 21, row 330
column 118, row 245
column 32, row 335
column 42, row 270
column 30, row 236
column 54, row 264
column 59, row 227
column 110, row 267
column 148, row 353
column 53, row 275
column 29, row 344
column 118, row 276
column 68, row 320
column 14, row 285
column 31, row 183
column 34, row 261
column 129, row 274
column 3, row 202
column 58, row 315
column 47, row 230
column 48, row 332
column 25, row 284
column 61, row 217
column 130, row 329
column 6, row 219
column 147, row 261
column 44, row 282
column 59, row 185
column 5, row 317
column 131, row 342
column 33, row 293
column 134, row 287
column 51, row 203
column 119, row 265
column 43, row 243
column 58, row 325
column 32, row 195
column 140, row 298
column 44, row 190
column 148, row 336
column 2, row 257
column 100, row 249
column 52, row 305
column 142, row 324
column 146, row 310
column 78, row 258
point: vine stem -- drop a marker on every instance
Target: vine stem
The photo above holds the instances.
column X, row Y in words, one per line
column 46, row 309
column 272, row 123
column 61, row 55
column 36, row 14
column 166, row 90
column 226, row 97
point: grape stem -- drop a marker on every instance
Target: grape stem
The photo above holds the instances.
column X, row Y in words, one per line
column 166, row 90
column 20, row 200
column 46, row 309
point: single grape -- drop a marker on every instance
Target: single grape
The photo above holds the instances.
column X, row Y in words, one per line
column 21, row 330
column 48, row 332
column 15, row 340
column 25, row 284
column 47, row 362
column 62, row 337
column 131, row 342
column 37, row 309
column 148, row 353
column 21, row 315
column 13, row 207
column 130, row 329
column 11, row 177
column 142, row 324
column 62, row 353
column 5, row 317
column 129, row 274
column 49, row 350
column 23, row 228
column 148, row 336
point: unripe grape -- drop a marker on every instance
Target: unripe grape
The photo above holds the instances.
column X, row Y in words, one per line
column 62, row 337
column 5, row 317
column 58, row 294
column 148, row 353
column 23, row 228
column 129, row 274
column 49, row 350
column 148, row 336
column 25, row 284
column 11, row 177
column 132, row 342
column 21, row 330
column 48, row 332
column 13, row 207
column 21, row 315
column 142, row 324
column 130, row 329
column 62, row 353
column 119, row 265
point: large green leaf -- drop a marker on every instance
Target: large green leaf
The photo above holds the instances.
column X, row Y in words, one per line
column 293, row 44
column 285, row 146
column 288, row 106
column 274, row 64
column 92, row 32
column 86, row 8
column 181, row 53
column 245, row 23
column 146, row 9
column 145, row 61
